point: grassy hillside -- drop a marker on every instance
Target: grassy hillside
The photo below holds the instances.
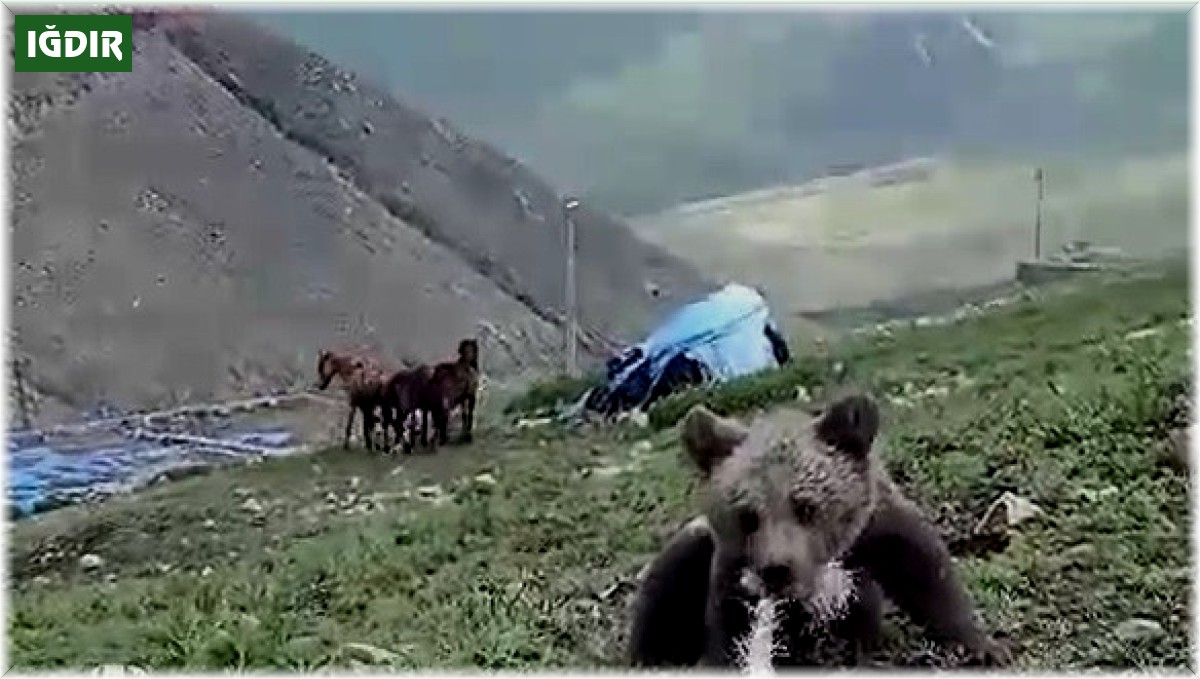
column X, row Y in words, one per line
column 844, row 241
column 526, row 556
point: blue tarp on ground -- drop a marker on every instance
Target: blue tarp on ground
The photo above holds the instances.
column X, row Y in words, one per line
column 724, row 335
column 42, row 475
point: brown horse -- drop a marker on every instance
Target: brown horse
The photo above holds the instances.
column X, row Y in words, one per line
column 408, row 394
column 363, row 380
column 454, row 384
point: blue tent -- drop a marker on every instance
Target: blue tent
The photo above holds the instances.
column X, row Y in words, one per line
column 728, row 334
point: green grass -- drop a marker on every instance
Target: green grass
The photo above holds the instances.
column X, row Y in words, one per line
column 1049, row 399
column 966, row 225
column 551, row 393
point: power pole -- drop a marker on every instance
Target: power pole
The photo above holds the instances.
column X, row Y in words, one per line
column 1039, row 177
column 21, row 399
column 569, row 207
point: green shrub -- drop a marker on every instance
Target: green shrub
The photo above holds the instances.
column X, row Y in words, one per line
column 549, row 393
column 747, row 393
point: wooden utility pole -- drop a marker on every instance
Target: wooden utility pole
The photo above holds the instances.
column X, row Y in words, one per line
column 569, row 207
column 19, row 386
column 1039, row 177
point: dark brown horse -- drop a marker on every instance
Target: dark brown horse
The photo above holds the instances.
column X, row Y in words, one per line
column 454, row 384
column 407, row 394
column 363, row 379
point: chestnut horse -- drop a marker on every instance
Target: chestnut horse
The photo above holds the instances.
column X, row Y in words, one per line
column 363, row 380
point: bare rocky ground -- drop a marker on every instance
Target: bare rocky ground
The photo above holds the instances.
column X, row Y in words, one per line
column 199, row 228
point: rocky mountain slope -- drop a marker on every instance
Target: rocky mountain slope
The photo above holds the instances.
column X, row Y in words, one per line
column 199, row 227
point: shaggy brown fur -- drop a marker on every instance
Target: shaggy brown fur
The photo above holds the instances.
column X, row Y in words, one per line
column 803, row 515
column 454, row 384
column 363, row 380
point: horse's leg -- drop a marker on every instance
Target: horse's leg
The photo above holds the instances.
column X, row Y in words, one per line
column 445, row 413
column 424, row 424
column 401, row 422
column 388, row 416
column 468, row 417
column 441, row 418
column 417, row 432
column 349, row 426
column 368, row 427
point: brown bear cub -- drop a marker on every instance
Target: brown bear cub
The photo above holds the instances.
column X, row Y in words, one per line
column 803, row 534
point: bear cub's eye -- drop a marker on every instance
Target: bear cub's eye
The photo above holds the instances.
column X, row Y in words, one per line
column 804, row 510
column 747, row 520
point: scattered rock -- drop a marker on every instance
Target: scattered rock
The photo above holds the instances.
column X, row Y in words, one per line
column 1079, row 553
column 1141, row 334
column 639, row 418
column 118, row 669
column 304, row 646
column 354, row 482
column 1136, row 630
column 41, row 580
column 252, row 505
column 614, row 589
column 642, row 447
column 485, row 479
column 802, row 394
column 90, row 562
column 110, row 577
column 533, row 422
column 206, row 571
column 1093, row 495
column 936, row 391
column 606, row 472
column 371, row 655
column 1006, row 512
column 431, row 492
column 210, row 524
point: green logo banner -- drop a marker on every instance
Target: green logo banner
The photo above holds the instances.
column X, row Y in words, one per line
column 73, row 43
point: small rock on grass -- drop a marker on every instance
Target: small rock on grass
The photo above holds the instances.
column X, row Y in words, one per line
column 90, row 562
column 1008, row 511
column 639, row 418
column 368, row 654
column 1139, row 629
column 118, row 669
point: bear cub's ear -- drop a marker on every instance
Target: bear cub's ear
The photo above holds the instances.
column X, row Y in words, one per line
column 850, row 425
column 709, row 438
